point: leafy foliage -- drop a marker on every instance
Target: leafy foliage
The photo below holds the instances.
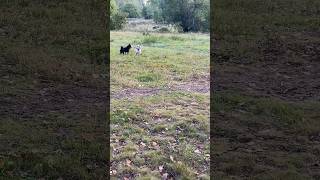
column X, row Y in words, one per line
column 137, row 3
column 131, row 10
column 191, row 15
column 117, row 18
column 147, row 12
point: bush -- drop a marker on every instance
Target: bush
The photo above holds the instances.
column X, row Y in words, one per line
column 147, row 12
column 117, row 21
column 131, row 10
column 189, row 14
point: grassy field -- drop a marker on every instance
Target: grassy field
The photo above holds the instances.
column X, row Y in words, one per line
column 52, row 90
column 160, row 106
column 265, row 56
column 266, row 79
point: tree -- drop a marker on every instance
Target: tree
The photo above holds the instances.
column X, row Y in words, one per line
column 137, row 3
column 117, row 18
column 156, row 9
column 147, row 12
column 191, row 15
column 113, row 7
column 131, row 10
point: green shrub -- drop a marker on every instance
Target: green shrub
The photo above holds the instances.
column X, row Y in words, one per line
column 117, row 21
column 131, row 10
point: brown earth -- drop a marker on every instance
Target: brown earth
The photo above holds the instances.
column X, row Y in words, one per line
column 198, row 86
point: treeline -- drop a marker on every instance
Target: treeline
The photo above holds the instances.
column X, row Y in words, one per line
column 190, row 15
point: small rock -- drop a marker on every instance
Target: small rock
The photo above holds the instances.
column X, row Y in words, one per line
column 197, row 151
column 171, row 158
column 113, row 172
column 160, row 169
column 128, row 162
column 143, row 144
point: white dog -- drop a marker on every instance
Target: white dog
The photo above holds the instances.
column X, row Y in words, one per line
column 138, row 50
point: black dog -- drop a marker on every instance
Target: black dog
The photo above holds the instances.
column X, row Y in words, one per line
column 125, row 50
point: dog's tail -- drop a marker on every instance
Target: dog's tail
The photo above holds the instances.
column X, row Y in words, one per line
column 121, row 50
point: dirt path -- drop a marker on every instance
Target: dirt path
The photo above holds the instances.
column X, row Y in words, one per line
column 198, row 86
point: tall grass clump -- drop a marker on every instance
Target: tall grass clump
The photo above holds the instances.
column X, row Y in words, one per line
column 150, row 39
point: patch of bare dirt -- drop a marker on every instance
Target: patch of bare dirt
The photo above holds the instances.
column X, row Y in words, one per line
column 129, row 93
column 198, row 86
